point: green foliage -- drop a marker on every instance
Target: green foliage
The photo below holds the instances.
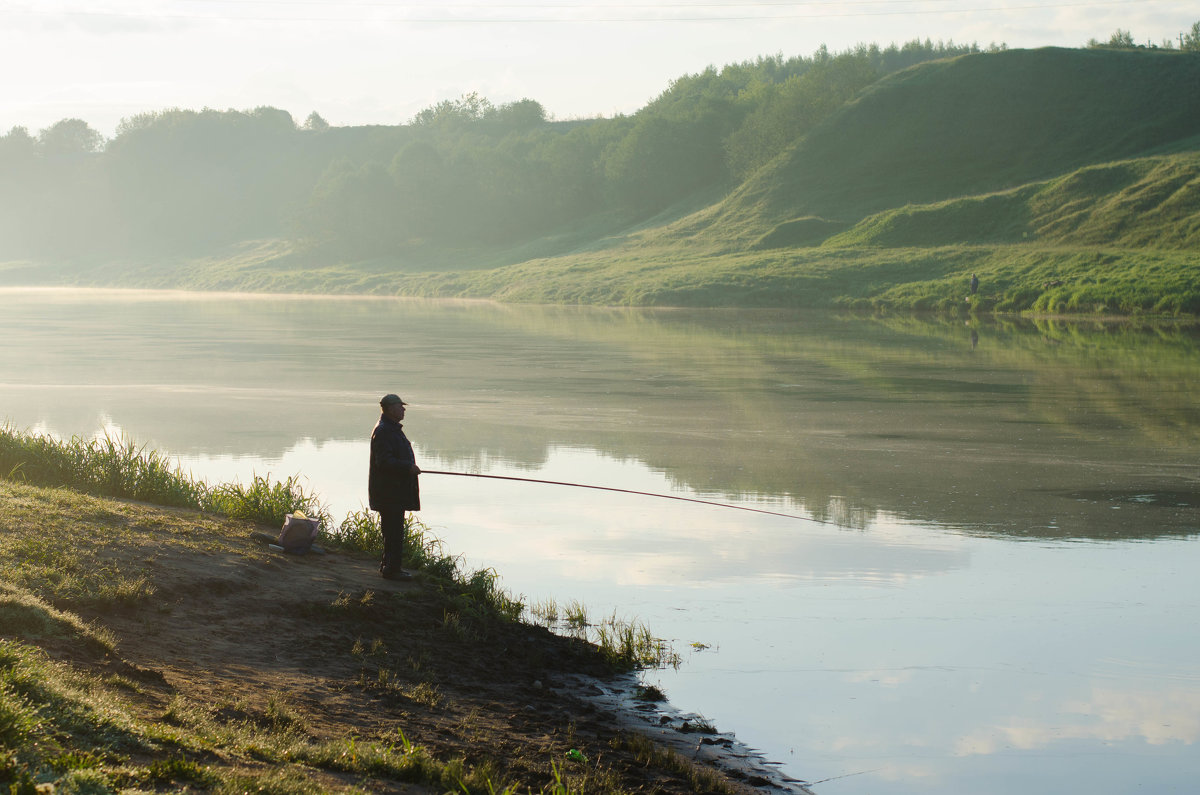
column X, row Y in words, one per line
column 23, row 615
column 464, row 171
column 264, row 501
column 1119, row 40
column 628, row 645
column 790, row 109
column 1190, row 41
column 113, row 467
column 976, row 124
column 119, row 468
column 872, row 178
column 69, row 138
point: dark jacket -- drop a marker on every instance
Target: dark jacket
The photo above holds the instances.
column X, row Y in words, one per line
column 391, row 486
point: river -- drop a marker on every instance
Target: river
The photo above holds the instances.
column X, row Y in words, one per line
column 993, row 586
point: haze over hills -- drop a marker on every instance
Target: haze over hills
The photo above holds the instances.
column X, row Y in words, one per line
column 1069, row 180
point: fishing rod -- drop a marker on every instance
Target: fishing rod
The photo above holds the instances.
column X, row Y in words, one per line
column 622, row 491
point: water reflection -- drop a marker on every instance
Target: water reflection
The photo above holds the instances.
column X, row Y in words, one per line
column 844, row 417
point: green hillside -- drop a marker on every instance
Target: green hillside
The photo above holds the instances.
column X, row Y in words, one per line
column 1147, row 203
column 1066, row 178
column 977, row 124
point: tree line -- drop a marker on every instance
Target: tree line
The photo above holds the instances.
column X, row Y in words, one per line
column 463, row 172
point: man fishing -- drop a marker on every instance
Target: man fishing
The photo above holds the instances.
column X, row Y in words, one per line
column 392, row 486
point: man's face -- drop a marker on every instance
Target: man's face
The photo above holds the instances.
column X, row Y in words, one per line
column 395, row 411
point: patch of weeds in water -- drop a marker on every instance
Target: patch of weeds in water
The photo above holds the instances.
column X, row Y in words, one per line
column 698, row 725
column 628, row 645
column 649, row 694
column 575, row 615
column 545, row 612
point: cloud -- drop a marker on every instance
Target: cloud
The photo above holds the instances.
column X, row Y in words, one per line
column 1152, row 717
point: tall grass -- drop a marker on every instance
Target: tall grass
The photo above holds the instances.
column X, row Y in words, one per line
column 118, row 467
column 108, row 466
column 263, row 501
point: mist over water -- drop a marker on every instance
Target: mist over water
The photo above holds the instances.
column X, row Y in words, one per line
column 999, row 589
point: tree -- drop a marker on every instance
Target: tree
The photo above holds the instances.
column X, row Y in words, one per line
column 790, row 110
column 69, row 137
column 17, row 146
column 524, row 114
column 1191, row 40
column 1119, row 40
column 315, row 123
column 453, row 112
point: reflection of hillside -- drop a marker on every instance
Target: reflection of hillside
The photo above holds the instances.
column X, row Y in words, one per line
column 844, row 417
column 1082, row 377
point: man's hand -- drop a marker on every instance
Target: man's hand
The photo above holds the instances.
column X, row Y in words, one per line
column 416, row 470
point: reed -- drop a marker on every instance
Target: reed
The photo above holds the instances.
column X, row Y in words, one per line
column 629, row 645
column 104, row 466
column 118, row 467
column 264, row 501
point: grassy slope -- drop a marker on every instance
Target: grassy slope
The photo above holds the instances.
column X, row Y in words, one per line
column 981, row 123
column 1030, row 167
column 324, row 680
column 1001, row 164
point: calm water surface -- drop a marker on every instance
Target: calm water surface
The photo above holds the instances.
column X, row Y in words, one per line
column 998, row 592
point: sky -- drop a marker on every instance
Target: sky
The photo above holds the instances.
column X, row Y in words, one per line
column 381, row 61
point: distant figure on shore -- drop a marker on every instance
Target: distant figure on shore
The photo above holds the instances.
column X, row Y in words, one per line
column 974, row 283
column 392, row 485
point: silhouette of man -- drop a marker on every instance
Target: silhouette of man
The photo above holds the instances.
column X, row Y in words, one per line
column 392, row 486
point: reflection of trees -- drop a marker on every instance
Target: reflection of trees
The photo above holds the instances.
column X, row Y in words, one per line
column 1081, row 377
column 840, row 417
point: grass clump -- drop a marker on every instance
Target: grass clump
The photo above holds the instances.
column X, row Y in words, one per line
column 119, row 468
column 630, row 645
column 24, row 615
column 263, row 501
column 107, row 466
column 625, row 645
column 702, row 779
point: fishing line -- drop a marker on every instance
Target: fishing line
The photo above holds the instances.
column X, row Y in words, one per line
column 625, row 491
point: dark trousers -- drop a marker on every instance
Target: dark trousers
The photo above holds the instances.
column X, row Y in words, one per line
column 392, row 525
